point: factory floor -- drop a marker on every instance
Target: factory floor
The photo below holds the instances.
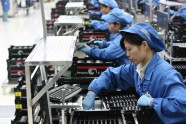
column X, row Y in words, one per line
column 20, row 30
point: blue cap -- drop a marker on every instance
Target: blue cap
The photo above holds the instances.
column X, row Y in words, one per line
column 110, row 3
column 118, row 15
column 148, row 33
column 94, row 3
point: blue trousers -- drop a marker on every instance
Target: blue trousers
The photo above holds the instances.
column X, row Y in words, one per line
column 5, row 16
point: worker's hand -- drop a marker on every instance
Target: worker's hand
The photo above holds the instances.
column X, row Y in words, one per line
column 88, row 13
column 93, row 22
column 99, row 43
column 88, row 102
column 84, row 11
column 145, row 100
column 85, row 48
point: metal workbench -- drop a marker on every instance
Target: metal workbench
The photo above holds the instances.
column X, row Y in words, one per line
column 73, row 7
column 169, row 3
column 55, row 50
column 68, row 22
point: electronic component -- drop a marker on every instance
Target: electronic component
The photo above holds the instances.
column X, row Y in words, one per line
column 87, row 35
column 89, row 67
column 178, row 50
column 70, row 91
column 20, row 51
column 123, row 100
column 103, row 117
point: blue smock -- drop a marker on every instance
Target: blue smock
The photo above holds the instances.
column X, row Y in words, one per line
column 111, row 51
column 103, row 25
column 161, row 80
column 7, row 6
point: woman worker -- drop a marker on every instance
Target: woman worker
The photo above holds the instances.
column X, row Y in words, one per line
column 148, row 73
column 111, row 50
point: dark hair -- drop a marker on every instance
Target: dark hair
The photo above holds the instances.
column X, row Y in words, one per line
column 132, row 39
column 122, row 26
column 103, row 5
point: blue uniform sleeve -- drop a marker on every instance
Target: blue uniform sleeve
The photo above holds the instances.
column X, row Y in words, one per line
column 100, row 25
column 113, row 78
column 112, row 36
column 106, row 43
column 112, row 51
column 171, row 107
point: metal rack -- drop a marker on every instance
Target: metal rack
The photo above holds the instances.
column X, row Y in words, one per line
column 164, row 21
column 55, row 50
column 163, row 18
column 149, row 10
column 129, row 6
column 73, row 7
column 69, row 23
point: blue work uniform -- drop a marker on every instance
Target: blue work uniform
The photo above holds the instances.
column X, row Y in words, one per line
column 7, row 6
column 103, row 25
column 111, row 51
column 161, row 80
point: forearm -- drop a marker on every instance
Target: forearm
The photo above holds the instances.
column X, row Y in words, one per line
column 112, row 52
column 100, row 25
column 112, row 79
column 99, row 54
column 170, row 110
column 170, row 105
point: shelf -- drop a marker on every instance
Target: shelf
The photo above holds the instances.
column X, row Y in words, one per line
column 69, row 20
column 64, row 21
column 170, row 3
column 78, row 5
column 56, row 50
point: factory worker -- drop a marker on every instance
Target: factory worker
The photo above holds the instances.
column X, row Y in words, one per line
column 5, row 8
column 148, row 73
column 106, row 6
column 111, row 50
column 95, row 4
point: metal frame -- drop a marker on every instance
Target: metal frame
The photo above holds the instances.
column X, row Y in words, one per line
column 68, row 20
column 74, row 6
column 43, row 20
column 55, row 50
column 163, row 4
column 150, row 12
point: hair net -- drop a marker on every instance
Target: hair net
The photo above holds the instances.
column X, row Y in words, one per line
column 110, row 3
column 148, row 33
column 118, row 15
